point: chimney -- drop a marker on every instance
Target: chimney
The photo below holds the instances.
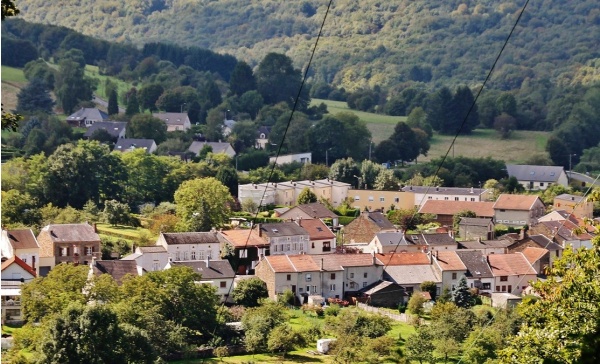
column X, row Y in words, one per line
column 471, row 190
column 259, row 230
column 322, row 265
column 207, row 261
column 436, row 255
column 522, row 234
column 133, row 248
column 95, row 228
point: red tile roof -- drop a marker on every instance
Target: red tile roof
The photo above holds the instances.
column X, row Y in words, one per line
column 509, row 264
column 317, row 230
column 241, row 238
column 403, row 258
column 439, row 207
column 20, row 263
column 449, row 260
column 312, row 263
column 515, row 202
column 533, row 254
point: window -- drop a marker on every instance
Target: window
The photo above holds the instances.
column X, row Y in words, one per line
column 185, row 256
column 497, row 288
column 332, row 287
column 193, row 255
column 312, row 244
column 503, row 278
column 289, row 277
column 446, row 198
column 454, row 275
column 89, row 250
column 351, row 275
column 541, row 184
column 396, row 199
column 456, row 198
column 300, row 290
column 472, row 198
column 364, row 284
column 371, row 198
column 332, row 275
column 365, row 274
column 356, row 198
column 155, row 265
column 201, row 255
column 352, row 285
column 509, row 288
column 177, row 256
column 314, row 289
column 487, row 286
column 223, row 284
column 326, row 246
column 381, row 199
column 503, row 288
column 308, row 277
column 307, row 289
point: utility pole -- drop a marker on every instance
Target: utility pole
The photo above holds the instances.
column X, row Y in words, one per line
column 370, row 143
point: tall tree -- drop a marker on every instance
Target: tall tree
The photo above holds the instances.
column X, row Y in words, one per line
column 306, row 196
column 113, row 103
column 242, row 80
column 72, row 86
column 203, row 198
column 278, row 80
column 461, row 296
column 462, row 101
column 145, row 126
column 35, row 97
column 148, row 96
column 133, row 106
column 249, row 292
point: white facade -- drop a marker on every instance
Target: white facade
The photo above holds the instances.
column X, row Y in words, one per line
column 29, row 255
column 422, row 194
column 286, row 193
column 150, row 260
column 289, row 158
column 196, row 251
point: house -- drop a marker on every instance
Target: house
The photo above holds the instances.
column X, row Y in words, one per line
column 216, row 148
column 518, row 210
column 512, row 272
column 381, row 200
column 262, row 136
column 539, row 258
column 321, row 239
column 15, row 272
column 425, row 193
column 435, row 241
column 129, row 144
column 444, row 211
column 479, row 274
column 22, row 244
column 385, row 242
column 364, row 228
column 383, row 294
column 191, row 246
column 115, row 129
column 284, row 238
column 566, row 233
column 524, row 240
column 448, row 267
column 495, row 246
column 290, row 158
column 327, row 275
column 149, row 258
column 248, row 247
column 533, row 177
column 409, row 270
column 118, row 269
column 174, row 120
column 228, row 127
column 581, row 180
column 85, row 117
column 286, row 193
column 217, row 273
column 579, row 206
column 315, row 210
column 67, row 243
column 470, row 228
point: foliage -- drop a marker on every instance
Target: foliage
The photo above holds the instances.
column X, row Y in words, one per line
column 461, row 296
column 72, row 86
column 35, row 97
column 359, row 323
column 277, row 80
column 202, row 203
column 567, row 310
column 419, row 347
column 429, row 286
column 459, row 215
column 415, row 304
column 113, row 103
column 117, row 213
column 283, row 339
column 407, row 219
column 306, row 196
column 249, row 292
column 259, row 322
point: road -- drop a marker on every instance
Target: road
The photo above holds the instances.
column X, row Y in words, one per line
column 104, row 103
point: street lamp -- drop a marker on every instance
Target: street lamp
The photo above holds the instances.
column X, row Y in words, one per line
column 181, row 108
column 571, row 155
column 327, row 157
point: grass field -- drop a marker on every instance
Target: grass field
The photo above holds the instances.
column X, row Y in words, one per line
column 480, row 144
column 126, row 232
column 13, row 80
column 92, row 71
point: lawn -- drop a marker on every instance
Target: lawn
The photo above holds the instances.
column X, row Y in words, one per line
column 12, row 82
column 12, row 74
column 126, row 232
column 92, row 71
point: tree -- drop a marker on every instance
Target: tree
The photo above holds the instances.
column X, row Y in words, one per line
column 9, row 9
column 91, row 334
column 462, row 101
column 283, row 339
column 563, row 325
column 116, row 213
column 145, row 126
column 10, row 121
column 402, row 145
column 204, row 198
column 113, row 103
column 249, row 292
column 229, row 178
column 72, row 86
column 415, row 303
column 504, row 125
column 439, row 111
column 133, row 106
column 277, row 80
column 306, row 196
column 431, row 287
column 214, row 125
column 461, row 296
column 259, row 322
column 35, row 97
column 386, row 181
column 419, row 347
column 250, row 102
column 242, row 80
column 458, row 216
column 19, row 208
column 149, row 94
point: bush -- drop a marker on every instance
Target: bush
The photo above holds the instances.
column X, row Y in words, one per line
column 332, row 310
column 338, row 301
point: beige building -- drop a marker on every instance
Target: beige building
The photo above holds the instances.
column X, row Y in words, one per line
column 579, row 206
column 174, row 120
column 286, row 193
column 381, row 200
column 518, row 210
column 427, row 193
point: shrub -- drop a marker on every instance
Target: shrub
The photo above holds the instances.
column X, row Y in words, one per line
column 332, row 310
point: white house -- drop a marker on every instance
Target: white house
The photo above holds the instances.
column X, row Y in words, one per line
column 14, row 273
column 217, row 273
column 174, row 120
column 423, row 194
column 533, row 177
column 286, row 193
column 23, row 244
column 512, row 272
column 150, row 258
column 284, row 238
column 289, row 158
column 190, row 246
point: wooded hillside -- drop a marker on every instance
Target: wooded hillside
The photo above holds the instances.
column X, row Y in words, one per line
column 366, row 43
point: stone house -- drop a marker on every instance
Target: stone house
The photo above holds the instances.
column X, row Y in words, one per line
column 579, row 206
column 444, row 211
column 471, row 228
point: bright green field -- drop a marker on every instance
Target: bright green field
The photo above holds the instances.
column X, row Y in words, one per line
column 92, row 71
column 480, row 144
column 12, row 74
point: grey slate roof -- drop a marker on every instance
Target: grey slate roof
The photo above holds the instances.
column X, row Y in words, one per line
column 217, row 148
column 379, row 218
column 393, row 238
column 484, row 244
column 526, row 172
column 217, row 269
column 466, row 191
column 114, row 128
column 377, row 286
column 171, row 118
column 476, row 263
column 88, row 113
column 266, row 130
column 410, row 274
column 116, row 268
column 475, row 221
column 569, row 197
column 282, row 229
column 191, row 238
column 438, row 239
column 545, row 243
column 124, row 144
column 66, row 233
